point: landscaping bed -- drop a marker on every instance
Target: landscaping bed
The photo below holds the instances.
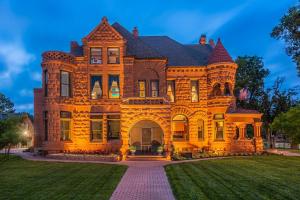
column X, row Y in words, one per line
column 85, row 157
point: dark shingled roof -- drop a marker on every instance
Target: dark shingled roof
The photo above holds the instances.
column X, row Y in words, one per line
column 165, row 47
column 219, row 54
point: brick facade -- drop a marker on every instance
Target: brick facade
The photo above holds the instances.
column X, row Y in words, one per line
column 130, row 107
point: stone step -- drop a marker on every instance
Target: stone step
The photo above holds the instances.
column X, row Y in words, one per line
column 145, row 158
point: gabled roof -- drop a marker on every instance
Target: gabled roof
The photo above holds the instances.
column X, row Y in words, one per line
column 104, row 32
column 219, row 54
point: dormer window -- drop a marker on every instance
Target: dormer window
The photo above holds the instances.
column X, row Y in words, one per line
column 96, row 55
column 113, row 55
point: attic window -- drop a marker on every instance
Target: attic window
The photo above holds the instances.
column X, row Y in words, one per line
column 96, row 55
column 113, row 55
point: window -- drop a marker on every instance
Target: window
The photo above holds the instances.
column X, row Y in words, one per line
column 65, row 126
column 219, row 128
column 46, row 125
column 237, row 133
column 46, row 83
column 114, row 89
column 217, row 90
column 96, row 55
column 200, row 129
column 96, row 127
column 194, row 91
column 180, row 127
column 249, row 131
column 154, row 88
column 142, row 88
column 113, row 55
column 171, row 90
column 227, row 90
column 96, row 87
column 113, row 127
column 65, row 84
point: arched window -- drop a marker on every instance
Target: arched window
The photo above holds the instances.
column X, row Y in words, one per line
column 227, row 89
column 180, row 127
column 200, row 129
column 217, row 90
column 249, row 131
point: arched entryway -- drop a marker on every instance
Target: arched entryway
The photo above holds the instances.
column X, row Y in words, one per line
column 146, row 136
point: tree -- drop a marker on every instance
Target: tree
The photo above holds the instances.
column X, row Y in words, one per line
column 289, row 123
column 6, row 105
column 11, row 133
column 250, row 75
column 288, row 30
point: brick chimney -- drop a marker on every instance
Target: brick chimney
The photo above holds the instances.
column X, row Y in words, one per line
column 202, row 40
column 135, row 32
column 212, row 43
column 73, row 47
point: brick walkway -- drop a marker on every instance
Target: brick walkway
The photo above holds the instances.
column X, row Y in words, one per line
column 145, row 180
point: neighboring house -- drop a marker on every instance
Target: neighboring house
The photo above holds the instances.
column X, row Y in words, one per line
column 119, row 89
column 27, row 126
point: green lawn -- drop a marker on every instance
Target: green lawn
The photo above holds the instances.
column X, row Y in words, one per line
column 22, row 179
column 258, row 177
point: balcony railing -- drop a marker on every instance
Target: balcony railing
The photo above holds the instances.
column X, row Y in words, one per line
column 146, row 101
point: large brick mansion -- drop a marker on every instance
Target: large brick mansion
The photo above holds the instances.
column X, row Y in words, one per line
column 119, row 89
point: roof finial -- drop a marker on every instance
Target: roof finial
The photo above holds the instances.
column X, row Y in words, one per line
column 202, row 40
column 104, row 19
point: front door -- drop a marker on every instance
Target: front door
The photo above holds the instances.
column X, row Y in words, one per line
column 146, row 139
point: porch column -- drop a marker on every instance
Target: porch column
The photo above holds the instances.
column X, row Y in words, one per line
column 104, row 125
column 257, row 129
column 242, row 128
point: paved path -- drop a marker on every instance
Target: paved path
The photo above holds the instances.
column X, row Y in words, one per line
column 283, row 152
column 145, row 180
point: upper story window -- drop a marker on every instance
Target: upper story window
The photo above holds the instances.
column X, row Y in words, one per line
column 65, row 126
column 65, row 85
column 96, row 55
column 194, row 91
column 171, row 90
column 114, row 86
column 46, row 83
column 154, row 88
column 96, row 87
column 113, row 55
column 142, row 88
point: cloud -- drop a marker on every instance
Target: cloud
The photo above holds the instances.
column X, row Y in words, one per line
column 189, row 24
column 27, row 107
column 36, row 76
column 14, row 58
column 26, row 93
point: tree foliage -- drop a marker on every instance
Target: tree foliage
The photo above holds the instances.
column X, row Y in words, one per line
column 250, row 75
column 289, row 31
column 289, row 123
column 5, row 104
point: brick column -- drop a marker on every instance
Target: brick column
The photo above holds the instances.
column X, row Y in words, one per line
column 257, row 130
column 242, row 131
column 104, row 129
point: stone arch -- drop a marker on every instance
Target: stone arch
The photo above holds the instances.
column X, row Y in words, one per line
column 177, row 110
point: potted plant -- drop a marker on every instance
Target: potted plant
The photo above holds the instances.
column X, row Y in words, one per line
column 160, row 149
column 132, row 150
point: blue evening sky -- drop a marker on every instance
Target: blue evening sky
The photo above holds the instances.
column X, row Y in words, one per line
column 29, row 27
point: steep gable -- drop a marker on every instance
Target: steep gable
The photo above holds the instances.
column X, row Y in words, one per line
column 104, row 32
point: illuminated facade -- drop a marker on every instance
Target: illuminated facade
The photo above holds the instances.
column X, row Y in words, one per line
column 119, row 89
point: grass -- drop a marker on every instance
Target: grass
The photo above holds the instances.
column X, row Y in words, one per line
column 257, row 177
column 22, row 179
